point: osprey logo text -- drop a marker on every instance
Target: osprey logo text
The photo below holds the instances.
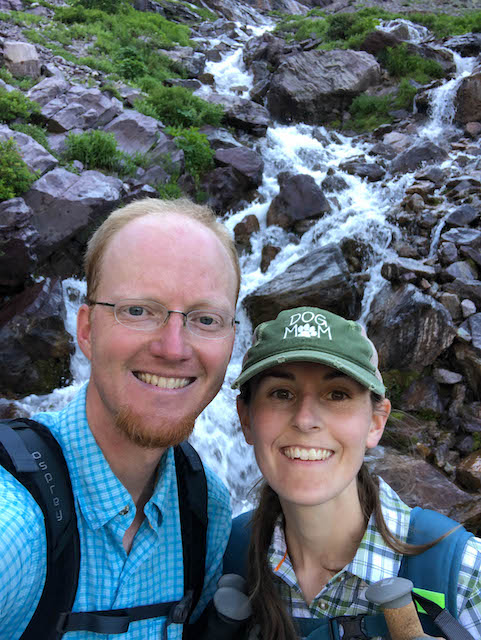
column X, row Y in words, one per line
column 307, row 325
column 48, row 477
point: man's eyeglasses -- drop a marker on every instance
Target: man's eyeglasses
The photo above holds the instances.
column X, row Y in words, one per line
column 148, row 315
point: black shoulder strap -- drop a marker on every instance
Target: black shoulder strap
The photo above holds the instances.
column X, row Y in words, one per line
column 236, row 554
column 31, row 454
column 192, row 489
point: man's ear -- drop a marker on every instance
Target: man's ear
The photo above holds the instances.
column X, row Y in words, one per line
column 84, row 330
column 379, row 419
column 243, row 412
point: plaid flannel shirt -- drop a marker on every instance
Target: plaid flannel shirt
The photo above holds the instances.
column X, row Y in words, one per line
column 374, row 560
column 109, row 578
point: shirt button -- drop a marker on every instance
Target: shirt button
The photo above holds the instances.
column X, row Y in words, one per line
column 124, row 511
column 323, row 605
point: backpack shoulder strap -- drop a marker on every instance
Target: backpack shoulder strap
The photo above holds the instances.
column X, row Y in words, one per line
column 29, row 451
column 437, row 568
column 192, row 488
column 235, row 557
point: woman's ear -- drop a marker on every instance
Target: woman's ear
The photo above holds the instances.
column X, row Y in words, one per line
column 379, row 418
column 84, row 330
column 243, row 412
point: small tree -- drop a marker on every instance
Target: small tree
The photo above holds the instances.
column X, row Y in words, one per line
column 15, row 176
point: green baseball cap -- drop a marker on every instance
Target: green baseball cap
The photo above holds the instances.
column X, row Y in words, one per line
column 308, row 334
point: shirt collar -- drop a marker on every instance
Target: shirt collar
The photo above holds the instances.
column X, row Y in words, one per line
column 100, row 494
column 373, row 561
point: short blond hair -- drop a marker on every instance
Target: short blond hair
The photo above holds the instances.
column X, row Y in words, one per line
column 118, row 219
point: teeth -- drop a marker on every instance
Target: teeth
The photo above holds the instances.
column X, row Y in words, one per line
column 307, row 454
column 164, row 383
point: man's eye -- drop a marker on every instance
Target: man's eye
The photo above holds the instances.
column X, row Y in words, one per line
column 136, row 311
column 206, row 320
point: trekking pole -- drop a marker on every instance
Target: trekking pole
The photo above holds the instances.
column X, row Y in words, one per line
column 394, row 597
column 231, row 610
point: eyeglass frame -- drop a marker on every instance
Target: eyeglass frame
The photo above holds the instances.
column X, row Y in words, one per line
column 169, row 312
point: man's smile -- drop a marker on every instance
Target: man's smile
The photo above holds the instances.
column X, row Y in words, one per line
column 161, row 381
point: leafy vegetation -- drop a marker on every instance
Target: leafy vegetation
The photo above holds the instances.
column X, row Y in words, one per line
column 198, row 153
column 98, row 150
column 34, row 131
column 24, row 84
column 179, row 107
column 402, row 64
column 14, row 105
column 15, row 176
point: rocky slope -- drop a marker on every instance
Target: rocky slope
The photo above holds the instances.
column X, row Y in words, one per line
column 425, row 318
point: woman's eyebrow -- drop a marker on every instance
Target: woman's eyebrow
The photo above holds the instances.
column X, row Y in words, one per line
column 284, row 375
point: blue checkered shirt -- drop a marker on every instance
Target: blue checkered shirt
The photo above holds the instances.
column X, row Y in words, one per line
column 374, row 560
column 109, row 578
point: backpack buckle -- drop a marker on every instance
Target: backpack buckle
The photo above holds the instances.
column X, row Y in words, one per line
column 179, row 614
column 352, row 628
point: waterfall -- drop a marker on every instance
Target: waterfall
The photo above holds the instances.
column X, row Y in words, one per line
column 360, row 212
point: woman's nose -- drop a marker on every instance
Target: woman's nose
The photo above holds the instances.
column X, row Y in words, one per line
column 308, row 415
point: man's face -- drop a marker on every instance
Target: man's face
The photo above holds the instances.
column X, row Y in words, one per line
column 183, row 265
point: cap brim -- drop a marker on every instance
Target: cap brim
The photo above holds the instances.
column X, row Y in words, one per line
column 361, row 375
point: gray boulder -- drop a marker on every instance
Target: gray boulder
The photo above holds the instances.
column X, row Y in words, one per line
column 316, row 86
column 36, row 157
column 21, row 58
column 80, row 108
column 417, row 155
column 468, row 99
column 243, row 114
column 299, row 198
column 17, row 244
column 246, row 161
column 48, row 89
column 409, row 328
column 133, row 131
column 35, row 346
column 320, row 279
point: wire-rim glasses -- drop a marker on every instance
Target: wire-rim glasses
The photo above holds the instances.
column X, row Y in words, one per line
column 149, row 315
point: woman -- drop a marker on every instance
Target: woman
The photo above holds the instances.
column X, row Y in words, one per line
column 311, row 402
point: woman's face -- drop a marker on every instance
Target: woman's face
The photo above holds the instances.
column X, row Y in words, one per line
column 310, row 426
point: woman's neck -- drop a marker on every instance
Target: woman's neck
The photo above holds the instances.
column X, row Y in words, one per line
column 321, row 540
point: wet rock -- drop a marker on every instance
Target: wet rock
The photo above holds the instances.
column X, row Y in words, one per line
column 245, row 161
column 35, row 346
column 225, row 188
column 192, row 61
column 17, row 245
column 416, row 155
column 266, row 48
column 243, row 114
column 299, row 199
column 64, row 204
column 333, row 183
column 378, row 40
column 468, row 472
column 419, row 483
column 444, row 376
column 462, row 216
column 473, row 129
column 384, row 150
column 463, row 236
column 394, row 271
column 468, row 44
column 399, row 141
column 409, row 328
column 468, row 308
column 133, row 131
column 373, row 172
column 468, row 99
column 315, row 86
column 422, row 394
column 452, row 303
column 321, row 279
column 269, row 252
column 21, row 59
column 243, row 231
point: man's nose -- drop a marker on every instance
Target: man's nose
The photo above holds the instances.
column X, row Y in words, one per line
column 308, row 414
column 172, row 339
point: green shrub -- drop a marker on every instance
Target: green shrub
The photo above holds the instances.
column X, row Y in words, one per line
column 198, row 154
column 15, row 176
column 34, row 131
column 405, row 95
column 98, row 150
column 129, row 63
column 170, row 190
column 179, row 107
column 14, row 105
column 25, row 83
column 109, row 6
column 369, row 112
column 402, row 64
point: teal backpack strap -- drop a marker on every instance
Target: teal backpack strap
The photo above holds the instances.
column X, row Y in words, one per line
column 235, row 557
column 358, row 627
column 437, row 568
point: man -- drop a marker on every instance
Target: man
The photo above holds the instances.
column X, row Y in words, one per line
column 158, row 329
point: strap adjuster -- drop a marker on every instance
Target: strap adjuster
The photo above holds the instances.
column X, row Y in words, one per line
column 181, row 611
column 352, row 627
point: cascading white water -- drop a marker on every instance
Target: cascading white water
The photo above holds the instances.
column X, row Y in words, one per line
column 360, row 212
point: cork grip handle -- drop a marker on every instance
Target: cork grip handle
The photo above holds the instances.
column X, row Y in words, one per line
column 403, row 623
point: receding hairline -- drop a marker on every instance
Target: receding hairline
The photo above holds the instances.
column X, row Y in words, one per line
column 157, row 210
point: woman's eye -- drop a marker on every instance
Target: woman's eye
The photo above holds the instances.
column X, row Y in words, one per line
column 338, row 395
column 282, row 394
